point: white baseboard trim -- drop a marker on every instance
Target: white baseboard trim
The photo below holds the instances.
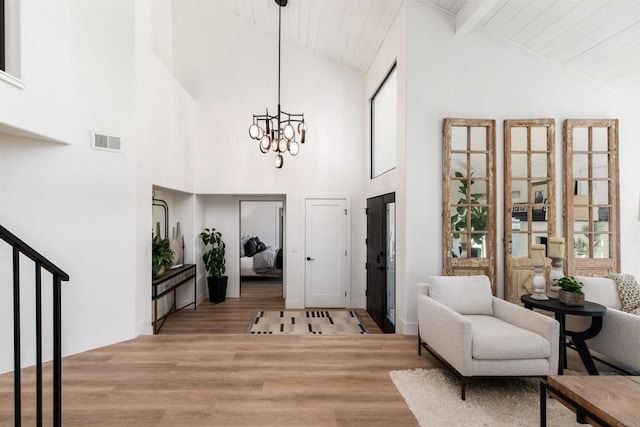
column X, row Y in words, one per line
column 293, row 304
column 358, row 303
column 143, row 327
column 407, row 328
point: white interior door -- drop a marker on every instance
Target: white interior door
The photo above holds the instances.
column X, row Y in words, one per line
column 325, row 253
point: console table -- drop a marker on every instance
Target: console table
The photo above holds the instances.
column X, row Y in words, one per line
column 590, row 309
column 169, row 282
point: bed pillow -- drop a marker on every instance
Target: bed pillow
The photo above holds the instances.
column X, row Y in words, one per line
column 243, row 241
column 260, row 247
column 250, row 248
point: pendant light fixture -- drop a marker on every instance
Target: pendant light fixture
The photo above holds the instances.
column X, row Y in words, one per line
column 277, row 133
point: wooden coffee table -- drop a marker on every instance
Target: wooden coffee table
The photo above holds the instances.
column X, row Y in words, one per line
column 607, row 400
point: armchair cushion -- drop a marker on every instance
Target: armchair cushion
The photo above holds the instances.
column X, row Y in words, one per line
column 494, row 339
column 463, row 294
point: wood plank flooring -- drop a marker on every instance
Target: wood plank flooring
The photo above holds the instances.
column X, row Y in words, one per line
column 202, row 370
column 233, row 315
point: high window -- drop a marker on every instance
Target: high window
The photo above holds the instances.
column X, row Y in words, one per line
column 384, row 125
column 2, row 37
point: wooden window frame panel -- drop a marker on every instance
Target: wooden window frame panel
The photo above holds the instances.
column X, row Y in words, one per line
column 453, row 266
column 590, row 266
column 511, row 293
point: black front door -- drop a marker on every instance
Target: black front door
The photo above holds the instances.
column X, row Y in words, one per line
column 379, row 295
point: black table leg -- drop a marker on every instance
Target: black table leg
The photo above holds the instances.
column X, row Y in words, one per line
column 579, row 338
column 562, row 350
column 543, row 404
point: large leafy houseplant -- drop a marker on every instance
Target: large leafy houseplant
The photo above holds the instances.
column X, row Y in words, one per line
column 478, row 214
column 214, row 262
column 161, row 255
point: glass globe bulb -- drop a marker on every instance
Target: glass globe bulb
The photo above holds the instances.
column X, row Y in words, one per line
column 289, row 133
column 265, row 143
column 254, row 131
column 282, row 145
column 294, row 148
column 279, row 161
column 260, row 132
column 302, row 127
column 274, row 145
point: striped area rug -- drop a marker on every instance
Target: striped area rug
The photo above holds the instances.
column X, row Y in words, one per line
column 324, row 322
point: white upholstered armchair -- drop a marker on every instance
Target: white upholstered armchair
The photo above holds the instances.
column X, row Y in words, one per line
column 478, row 335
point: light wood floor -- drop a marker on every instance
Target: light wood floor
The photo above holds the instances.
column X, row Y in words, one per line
column 201, row 370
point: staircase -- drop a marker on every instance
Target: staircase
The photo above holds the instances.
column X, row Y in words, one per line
column 22, row 249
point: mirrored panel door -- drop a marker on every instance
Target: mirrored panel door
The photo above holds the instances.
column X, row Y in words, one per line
column 591, row 197
column 529, row 199
column 469, row 240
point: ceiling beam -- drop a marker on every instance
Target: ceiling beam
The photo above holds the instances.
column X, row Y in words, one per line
column 472, row 13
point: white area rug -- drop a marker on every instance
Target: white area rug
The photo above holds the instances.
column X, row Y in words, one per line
column 314, row 322
column 433, row 395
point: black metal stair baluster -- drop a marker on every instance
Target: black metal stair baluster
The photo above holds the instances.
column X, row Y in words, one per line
column 57, row 350
column 38, row 344
column 17, row 381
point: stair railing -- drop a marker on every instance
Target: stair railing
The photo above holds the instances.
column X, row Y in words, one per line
column 19, row 247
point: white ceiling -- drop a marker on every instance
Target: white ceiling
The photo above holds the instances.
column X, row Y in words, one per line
column 597, row 38
column 349, row 31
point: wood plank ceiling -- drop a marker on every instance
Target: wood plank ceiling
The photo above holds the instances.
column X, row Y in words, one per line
column 348, row 31
column 596, row 38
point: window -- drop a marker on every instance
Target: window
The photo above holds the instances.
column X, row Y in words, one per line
column 383, row 125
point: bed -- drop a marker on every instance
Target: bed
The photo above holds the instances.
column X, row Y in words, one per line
column 266, row 262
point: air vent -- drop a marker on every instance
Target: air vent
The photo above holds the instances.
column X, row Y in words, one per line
column 100, row 141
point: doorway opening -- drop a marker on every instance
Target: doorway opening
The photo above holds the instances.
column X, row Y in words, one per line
column 261, row 248
column 381, row 261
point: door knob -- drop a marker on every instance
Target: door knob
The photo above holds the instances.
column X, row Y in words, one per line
column 309, row 258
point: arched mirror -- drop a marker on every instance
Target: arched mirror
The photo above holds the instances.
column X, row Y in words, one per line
column 160, row 217
column 469, row 242
column 529, row 199
column 591, row 194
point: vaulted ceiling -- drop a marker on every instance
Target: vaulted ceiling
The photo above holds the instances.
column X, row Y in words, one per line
column 596, row 38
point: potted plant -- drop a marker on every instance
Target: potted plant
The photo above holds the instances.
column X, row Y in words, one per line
column 215, row 264
column 570, row 291
column 161, row 255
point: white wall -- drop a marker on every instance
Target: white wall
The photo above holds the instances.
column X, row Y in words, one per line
column 237, row 77
column 165, row 125
column 74, row 204
column 480, row 76
column 262, row 219
column 41, row 100
column 392, row 50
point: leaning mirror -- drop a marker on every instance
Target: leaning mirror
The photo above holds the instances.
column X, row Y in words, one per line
column 160, row 217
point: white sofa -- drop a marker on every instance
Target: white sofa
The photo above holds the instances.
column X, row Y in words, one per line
column 618, row 342
column 476, row 334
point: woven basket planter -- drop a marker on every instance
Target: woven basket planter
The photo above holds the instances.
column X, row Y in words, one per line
column 575, row 299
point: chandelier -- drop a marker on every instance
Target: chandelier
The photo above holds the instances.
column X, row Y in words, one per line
column 277, row 133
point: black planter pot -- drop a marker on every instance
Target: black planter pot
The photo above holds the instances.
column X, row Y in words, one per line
column 217, row 288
